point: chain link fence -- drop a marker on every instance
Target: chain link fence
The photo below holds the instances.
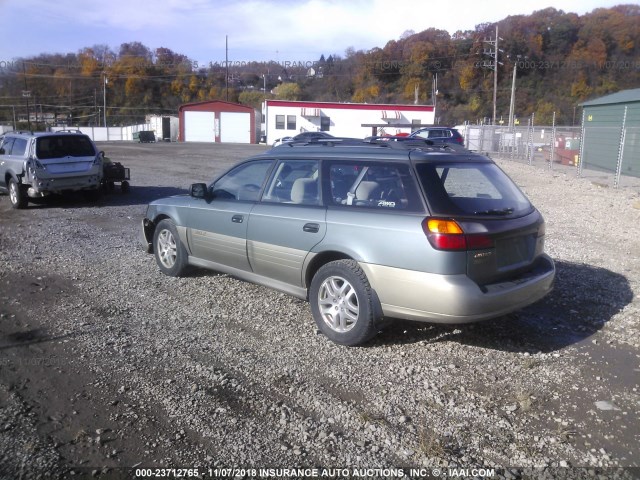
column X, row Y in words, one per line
column 561, row 148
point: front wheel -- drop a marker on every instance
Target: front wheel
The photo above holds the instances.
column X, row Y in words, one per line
column 343, row 303
column 171, row 256
column 17, row 194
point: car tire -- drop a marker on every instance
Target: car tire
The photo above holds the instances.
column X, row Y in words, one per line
column 170, row 254
column 343, row 303
column 17, row 194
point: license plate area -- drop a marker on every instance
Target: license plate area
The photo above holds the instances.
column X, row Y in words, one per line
column 515, row 251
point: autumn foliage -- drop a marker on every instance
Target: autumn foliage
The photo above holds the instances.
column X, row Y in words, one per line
column 562, row 59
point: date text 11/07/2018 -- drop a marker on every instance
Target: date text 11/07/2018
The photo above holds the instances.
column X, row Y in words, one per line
column 337, row 473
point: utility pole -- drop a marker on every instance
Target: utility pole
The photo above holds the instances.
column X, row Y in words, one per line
column 494, row 65
column 495, row 78
column 104, row 99
column 434, row 95
column 226, row 63
column 513, row 95
column 26, row 94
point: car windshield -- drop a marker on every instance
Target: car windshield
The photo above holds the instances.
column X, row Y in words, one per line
column 59, row 146
column 471, row 189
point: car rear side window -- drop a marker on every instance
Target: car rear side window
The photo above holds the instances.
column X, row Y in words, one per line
column 7, row 146
column 471, row 189
column 19, row 146
column 380, row 186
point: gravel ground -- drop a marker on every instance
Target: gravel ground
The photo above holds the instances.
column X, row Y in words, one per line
column 106, row 364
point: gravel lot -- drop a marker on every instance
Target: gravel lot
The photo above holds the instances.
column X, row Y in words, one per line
column 106, row 364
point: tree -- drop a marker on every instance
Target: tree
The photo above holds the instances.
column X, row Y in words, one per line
column 252, row 98
column 288, row 91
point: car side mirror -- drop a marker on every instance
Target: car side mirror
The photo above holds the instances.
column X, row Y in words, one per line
column 199, row 190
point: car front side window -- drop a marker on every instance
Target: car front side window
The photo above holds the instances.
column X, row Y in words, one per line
column 243, row 183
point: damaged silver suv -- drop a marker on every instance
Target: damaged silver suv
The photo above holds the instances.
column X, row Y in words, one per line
column 366, row 232
column 34, row 165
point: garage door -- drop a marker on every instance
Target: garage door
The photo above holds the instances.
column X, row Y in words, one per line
column 235, row 127
column 199, row 126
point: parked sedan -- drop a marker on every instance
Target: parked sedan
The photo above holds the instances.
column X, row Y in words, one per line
column 439, row 135
column 302, row 137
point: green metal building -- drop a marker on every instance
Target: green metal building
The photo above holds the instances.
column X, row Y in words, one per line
column 611, row 133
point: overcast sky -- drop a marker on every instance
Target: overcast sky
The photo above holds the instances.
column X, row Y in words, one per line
column 260, row 30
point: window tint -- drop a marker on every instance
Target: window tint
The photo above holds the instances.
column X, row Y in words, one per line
column 471, row 189
column 7, row 145
column 439, row 133
column 294, row 182
column 59, row 146
column 19, row 146
column 387, row 186
column 243, row 182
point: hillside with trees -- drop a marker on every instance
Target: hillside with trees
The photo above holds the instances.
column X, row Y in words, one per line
column 561, row 59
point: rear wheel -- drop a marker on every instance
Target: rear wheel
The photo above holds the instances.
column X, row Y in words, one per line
column 343, row 303
column 17, row 194
column 171, row 256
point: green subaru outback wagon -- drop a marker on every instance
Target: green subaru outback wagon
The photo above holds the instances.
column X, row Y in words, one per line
column 367, row 232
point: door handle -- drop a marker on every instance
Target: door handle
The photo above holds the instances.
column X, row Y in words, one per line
column 311, row 228
column 237, row 219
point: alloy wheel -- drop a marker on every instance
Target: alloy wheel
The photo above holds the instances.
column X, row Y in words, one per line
column 338, row 304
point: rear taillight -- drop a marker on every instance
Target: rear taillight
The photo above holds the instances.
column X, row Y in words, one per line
column 446, row 234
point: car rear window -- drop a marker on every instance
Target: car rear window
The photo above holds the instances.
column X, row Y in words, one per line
column 59, row 146
column 471, row 189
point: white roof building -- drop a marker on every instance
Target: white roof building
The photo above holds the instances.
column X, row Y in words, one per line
column 287, row 118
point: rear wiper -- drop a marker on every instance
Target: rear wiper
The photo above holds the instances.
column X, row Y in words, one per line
column 504, row 211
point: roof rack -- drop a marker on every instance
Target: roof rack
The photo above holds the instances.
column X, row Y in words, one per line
column 326, row 142
column 68, row 130
column 21, row 132
column 404, row 143
column 378, row 142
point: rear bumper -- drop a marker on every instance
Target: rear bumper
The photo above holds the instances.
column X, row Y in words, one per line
column 455, row 299
column 64, row 184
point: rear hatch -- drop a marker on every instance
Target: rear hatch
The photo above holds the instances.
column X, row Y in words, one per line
column 476, row 207
column 65, row 154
